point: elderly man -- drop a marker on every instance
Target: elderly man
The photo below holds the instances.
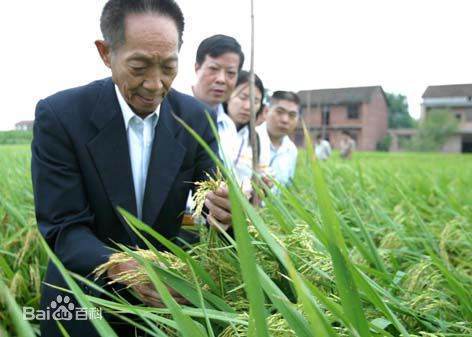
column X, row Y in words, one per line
column 115, row 142
column 276, row 147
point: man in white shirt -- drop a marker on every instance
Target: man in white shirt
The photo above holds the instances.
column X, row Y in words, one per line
column 140, row 134
column 218, row 62
column 276, row 147
column 322, row 148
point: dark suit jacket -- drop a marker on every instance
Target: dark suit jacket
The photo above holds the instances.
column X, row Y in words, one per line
column 81, row 172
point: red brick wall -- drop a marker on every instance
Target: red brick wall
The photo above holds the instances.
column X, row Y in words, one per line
column 374, row 121
column 338, row 116
column 312, row 117
column 369, row 129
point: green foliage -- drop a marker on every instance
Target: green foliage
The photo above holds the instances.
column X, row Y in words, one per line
column 22, row 261
column 15, row 137
column 383, row 239
column 434, row 131
column 398, row 114
column 384, row 143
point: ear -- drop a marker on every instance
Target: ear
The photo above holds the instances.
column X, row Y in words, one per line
column 105, row 52
column 197, row 66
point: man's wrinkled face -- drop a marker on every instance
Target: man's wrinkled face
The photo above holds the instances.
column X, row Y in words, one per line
column 239, row 105
column 216, row 78
column 144, row 66
column 282, row 118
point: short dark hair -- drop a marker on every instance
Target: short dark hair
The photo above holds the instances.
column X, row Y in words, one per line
column 286, row 96
column 112, row 20
column 218, row 45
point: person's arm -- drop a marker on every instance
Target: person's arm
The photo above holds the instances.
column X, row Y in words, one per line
column 63, row 213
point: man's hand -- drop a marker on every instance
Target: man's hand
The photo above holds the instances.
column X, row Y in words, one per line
column 151, row 297
column 146, row 291
column 219, row 208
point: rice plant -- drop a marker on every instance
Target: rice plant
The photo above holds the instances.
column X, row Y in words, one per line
column 380, row 246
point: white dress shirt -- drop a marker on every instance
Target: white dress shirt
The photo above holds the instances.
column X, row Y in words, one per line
column 228, row 134
column 140, row 133
column 235, row 149
column 283, row 160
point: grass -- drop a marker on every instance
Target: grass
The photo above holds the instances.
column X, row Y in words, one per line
column 15, row 137
column 22, row 261
column 380, row 245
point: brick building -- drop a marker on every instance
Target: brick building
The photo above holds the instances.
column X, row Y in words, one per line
column 456, row 98
column 362, row 111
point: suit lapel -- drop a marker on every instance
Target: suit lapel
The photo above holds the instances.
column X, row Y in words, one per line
column 166, row 158
column 110, row 153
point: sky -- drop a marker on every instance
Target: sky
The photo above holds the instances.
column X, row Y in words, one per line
column 402, row 45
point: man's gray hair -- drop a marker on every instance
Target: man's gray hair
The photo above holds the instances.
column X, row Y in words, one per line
column 112, row 20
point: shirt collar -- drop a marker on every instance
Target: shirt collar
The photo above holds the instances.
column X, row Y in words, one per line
column 285, row 141
column 222, row 117
column 244, row 131
column 128, row 114
column 220, row 113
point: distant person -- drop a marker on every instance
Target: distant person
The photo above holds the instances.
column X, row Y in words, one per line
column 276, row 147
column 238, row 109
column 322, row 148
column 347, row 145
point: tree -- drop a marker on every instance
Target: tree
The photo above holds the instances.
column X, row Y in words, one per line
column 398, row 115
column 384, row 143
column 434, row 131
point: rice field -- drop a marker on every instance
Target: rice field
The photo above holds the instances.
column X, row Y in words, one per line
column 377, row 246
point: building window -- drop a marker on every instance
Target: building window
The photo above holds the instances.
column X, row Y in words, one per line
column 353, row 111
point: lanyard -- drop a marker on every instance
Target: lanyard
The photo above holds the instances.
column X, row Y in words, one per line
column 239, row 153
